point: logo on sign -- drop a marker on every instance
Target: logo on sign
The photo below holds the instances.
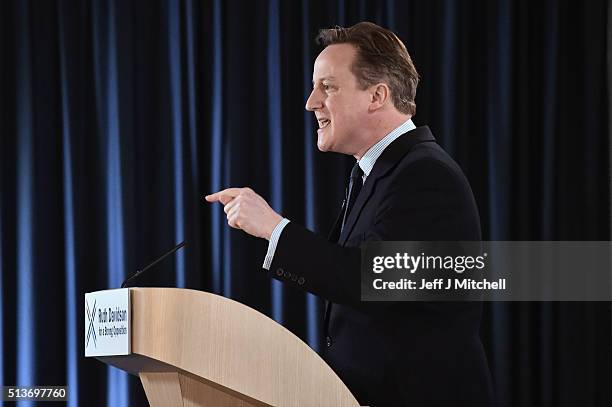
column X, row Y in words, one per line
column 91, row 331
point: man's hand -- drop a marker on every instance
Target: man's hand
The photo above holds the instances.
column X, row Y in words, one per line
column 247, row 211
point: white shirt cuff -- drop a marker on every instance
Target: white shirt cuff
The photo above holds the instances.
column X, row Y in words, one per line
column 273, row 242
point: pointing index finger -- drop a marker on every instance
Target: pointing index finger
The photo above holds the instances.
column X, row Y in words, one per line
column 223, row 196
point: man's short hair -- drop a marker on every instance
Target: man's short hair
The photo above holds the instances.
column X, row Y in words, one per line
column 381, row 57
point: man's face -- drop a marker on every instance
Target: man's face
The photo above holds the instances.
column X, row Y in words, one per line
column 338, row 103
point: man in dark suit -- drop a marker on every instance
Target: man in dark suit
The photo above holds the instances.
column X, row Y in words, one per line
column 404, row 187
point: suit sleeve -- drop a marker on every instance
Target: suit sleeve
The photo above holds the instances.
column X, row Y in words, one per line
column 422, row 202
column 310, row 262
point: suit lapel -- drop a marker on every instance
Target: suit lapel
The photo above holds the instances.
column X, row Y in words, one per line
column 390, row 157
column 334, row 233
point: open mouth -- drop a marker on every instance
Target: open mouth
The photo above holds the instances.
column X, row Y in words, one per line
column 323, row 123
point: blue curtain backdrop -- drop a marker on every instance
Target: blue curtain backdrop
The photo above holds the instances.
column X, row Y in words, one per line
column 117, row 116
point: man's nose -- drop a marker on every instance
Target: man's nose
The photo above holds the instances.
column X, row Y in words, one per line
column 313, row 102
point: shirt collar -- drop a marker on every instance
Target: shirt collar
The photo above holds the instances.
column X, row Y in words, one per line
column 366, row 163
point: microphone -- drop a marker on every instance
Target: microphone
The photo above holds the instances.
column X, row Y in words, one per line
column 163, row 256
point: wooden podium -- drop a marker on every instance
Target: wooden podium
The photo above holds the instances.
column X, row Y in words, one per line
column 192, row 348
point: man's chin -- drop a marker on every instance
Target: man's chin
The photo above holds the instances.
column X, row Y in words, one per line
column 321, row 145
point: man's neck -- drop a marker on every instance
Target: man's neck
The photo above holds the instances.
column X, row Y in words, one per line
column 386, row 126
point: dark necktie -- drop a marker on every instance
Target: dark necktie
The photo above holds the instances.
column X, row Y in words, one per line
column 354, row 187
column 355, row 184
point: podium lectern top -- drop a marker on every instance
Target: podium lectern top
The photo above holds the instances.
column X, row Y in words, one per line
column 191, row 347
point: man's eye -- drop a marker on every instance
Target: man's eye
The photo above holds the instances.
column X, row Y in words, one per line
column 326, row 87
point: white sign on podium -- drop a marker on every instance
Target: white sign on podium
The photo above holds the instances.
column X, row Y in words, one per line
column 107, row 323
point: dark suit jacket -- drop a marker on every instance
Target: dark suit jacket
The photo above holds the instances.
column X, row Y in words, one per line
column 401, row 353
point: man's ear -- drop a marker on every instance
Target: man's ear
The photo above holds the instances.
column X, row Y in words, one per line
column 379, row 96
